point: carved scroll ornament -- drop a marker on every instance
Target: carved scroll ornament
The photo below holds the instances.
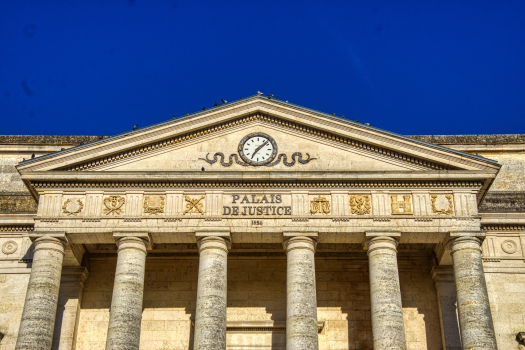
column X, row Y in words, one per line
column 360, row 204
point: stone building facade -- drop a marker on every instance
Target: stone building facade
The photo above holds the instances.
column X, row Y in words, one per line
column 260, row 224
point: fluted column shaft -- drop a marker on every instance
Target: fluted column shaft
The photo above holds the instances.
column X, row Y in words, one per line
column 475, row 318
column 38, row 317
column 385, row 294
column 301, row 298
column 210, row 315
column 128, row 291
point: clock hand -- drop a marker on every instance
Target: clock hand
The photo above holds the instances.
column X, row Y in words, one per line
column 258, row 148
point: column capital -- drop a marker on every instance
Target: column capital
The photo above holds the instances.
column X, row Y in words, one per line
column 299, row 242
column 143, row 236
column 478, row 234
column 214, row 242
column 52, row 236
column 213, row 233
column 464, row 242
column 375, row 242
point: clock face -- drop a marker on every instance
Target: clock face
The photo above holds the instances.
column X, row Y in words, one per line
column 257, row 148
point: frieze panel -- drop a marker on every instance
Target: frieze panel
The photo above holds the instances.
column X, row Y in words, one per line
column 360, row 204
column 154, row 204
column 401, row 204
column 194, row 205
column 442, row 204
column 319, row 205
column 72, row 207
column 114, row 205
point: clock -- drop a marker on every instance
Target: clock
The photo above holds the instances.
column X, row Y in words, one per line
column 257, row 148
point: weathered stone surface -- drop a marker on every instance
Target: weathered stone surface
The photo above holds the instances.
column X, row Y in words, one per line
column 46, row 139
column 301, row 306
column 17, row 202
column 471, row 139
column 503, row 201
column 210, row 315
column 128, row 290
column 385, row 294
column 38, row 318
column 477, row 329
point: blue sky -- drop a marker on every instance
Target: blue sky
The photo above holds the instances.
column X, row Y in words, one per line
column 71, row 67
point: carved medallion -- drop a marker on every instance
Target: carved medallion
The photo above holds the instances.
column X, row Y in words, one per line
column 9, row 247
column 360, row 204
column 403, row 207
column 72, row 207
column 194, row 205
column 442, row 204
column 114, row 205
column 153, row 204
column 319, row 205
column 509, row 246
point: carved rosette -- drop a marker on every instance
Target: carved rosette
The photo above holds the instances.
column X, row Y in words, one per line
column 72, row 207
column 9, row 247
column 360, row 204
column 319, row 205
column 442, row 204
column 509, row 246
column 194, row 205
column 154, row 204
column 113, row 205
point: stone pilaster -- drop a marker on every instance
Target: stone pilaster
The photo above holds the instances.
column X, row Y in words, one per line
column 126, row 304
column 38, row 317
column 446, row 292
column 475, row 319
column 301, row 298
column 69, row 299
column 210, row 315
column 385, row 294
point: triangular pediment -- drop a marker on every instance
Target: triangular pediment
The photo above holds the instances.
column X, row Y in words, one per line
column 305, row 140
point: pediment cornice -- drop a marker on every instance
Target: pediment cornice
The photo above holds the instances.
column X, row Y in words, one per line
column 261, row 109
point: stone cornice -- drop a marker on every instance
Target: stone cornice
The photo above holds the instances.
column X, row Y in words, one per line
column 247, row 183
column 287, row 113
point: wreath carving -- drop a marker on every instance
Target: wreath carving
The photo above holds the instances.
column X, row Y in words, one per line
column 448, row 211
column 72, row 207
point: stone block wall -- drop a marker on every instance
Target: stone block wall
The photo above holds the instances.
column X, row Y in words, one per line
column 12, row 295
column 507, row 295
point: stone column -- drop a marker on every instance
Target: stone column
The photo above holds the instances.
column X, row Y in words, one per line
column 40, row 307
column 68, row 309
column 475, row 319
column 388, row 328
column 126, row 304
column 301, row 298
column 210, row 315
column 446, row 292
